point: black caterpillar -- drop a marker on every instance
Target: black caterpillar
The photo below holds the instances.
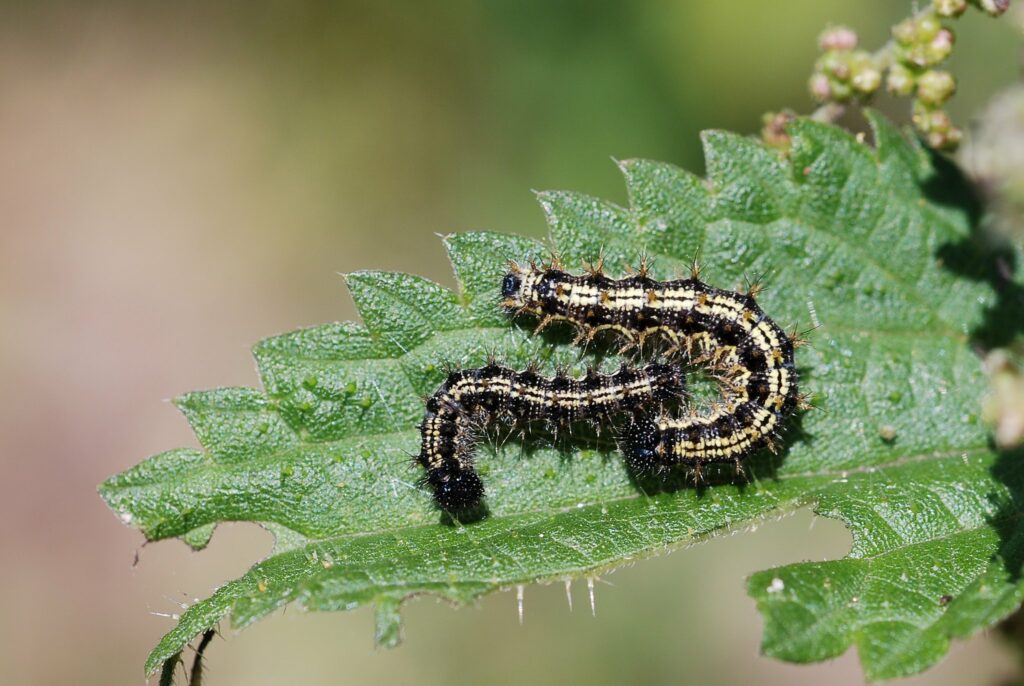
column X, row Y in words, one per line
column 724, row 332
column 470, row 398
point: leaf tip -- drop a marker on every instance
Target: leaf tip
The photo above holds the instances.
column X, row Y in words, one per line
column 545, row 198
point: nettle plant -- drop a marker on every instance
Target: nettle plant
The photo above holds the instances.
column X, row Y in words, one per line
column 879, row 247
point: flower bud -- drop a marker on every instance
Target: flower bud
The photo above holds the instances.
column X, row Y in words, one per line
column 820, row 87
column 841, row 91
column 936, row 126
column 935, row 87
column 867, row 80
column 912, row 55
column 948, row 139
column 949, row 8
column 993, row 7
column 922, row 53
column 865, row 77
column 940, row 46
column 939, row 121
column 900, row 80
column 905, row 32
column 921, row 116
column 927, row 27
column 836, row 65
column 837, row 38
column 774, row 131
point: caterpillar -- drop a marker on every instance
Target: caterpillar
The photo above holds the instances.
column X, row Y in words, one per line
column 726, row 332
column 470, row 398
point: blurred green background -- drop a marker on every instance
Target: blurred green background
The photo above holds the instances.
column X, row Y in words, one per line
column 179, row 180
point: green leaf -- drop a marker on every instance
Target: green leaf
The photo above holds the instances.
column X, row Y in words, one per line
column 873, row 246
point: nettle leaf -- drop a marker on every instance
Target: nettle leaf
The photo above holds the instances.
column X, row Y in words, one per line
column 873, row 246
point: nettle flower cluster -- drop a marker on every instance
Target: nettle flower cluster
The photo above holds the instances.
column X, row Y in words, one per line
column 908, row 65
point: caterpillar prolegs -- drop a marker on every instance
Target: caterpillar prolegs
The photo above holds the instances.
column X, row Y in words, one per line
column 724, row 332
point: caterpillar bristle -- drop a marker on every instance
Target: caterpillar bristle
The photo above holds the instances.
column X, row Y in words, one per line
column 644, row 268
column 698, row 474
column 595, row 268
column 554, row 262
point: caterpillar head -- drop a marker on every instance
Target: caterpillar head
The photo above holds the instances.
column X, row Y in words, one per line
column 511, row 285
column 523, row 289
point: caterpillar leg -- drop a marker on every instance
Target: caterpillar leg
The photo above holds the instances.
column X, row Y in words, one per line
column 740, row 472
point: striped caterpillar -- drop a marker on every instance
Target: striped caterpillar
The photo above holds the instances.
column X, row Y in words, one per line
column 470, row 398
column 725, row 332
